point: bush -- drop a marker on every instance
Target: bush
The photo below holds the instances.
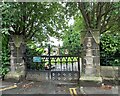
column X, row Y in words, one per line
column 110, row 49
column 30, row 53
column 4, row 69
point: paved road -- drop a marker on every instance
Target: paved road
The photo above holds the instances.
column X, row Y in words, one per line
column 50, row 87
column 29, row 87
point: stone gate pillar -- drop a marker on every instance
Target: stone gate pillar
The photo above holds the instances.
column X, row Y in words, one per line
column 17, row 64
column 91, row 57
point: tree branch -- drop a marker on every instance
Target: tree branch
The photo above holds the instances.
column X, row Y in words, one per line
column 33, row 33
column 29, row 14
column 27, row 35
column 105, row 23
column 24, row 17
column 98, row 15
column 81, row 7
column 104, row 30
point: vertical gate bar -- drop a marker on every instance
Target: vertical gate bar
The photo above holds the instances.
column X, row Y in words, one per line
column 75, row 65
column 49, row 62
column 55, row 63
column 66, row 63
column 49, row 56
column 78, row 68
column 61, row 63
column 69, row 63
column 72, row 64
column 43, row 61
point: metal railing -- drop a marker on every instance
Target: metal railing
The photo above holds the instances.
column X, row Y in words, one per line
column 68, row 63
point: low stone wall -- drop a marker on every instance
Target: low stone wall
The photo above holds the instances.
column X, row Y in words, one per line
column 109, row 72
column 37, row 75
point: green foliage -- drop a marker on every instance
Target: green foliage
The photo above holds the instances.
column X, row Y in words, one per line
column 110, row 49
column 71, row 38
column 103, row 16
column 4, row 69
column 34, row 51
column 39, row 20
column 31, row 51
column 96, row 15
column 36, row 20
column 71, row 42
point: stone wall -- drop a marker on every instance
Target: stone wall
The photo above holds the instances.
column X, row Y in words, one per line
column 37, row 75
column 108, row 72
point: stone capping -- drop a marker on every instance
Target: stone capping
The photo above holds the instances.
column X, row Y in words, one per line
column 91, row 78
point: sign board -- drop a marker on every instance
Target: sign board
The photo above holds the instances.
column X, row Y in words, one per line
column 36, row 59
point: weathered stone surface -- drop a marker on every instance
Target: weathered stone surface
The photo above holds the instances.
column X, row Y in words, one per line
column 91, row 59
column 110, row 71
column 37, row 76
column 14, row 76
column 91, row 78
column 17, row 48
column 90, row 81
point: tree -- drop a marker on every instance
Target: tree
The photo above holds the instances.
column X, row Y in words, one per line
column 103, row 16
column 96, row 15
column 30, row 19
column 71, row 42
column 24, row 22
column 71, row 37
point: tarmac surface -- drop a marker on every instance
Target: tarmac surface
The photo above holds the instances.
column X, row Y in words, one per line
column 48, row 88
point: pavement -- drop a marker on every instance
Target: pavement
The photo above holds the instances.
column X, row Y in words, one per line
column 100, row 91
column 48, row 88
column 30, row 87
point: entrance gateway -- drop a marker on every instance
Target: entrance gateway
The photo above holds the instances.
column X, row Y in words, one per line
column 47, row 67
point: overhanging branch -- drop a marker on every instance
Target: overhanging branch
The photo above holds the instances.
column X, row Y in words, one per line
column 82, row 9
